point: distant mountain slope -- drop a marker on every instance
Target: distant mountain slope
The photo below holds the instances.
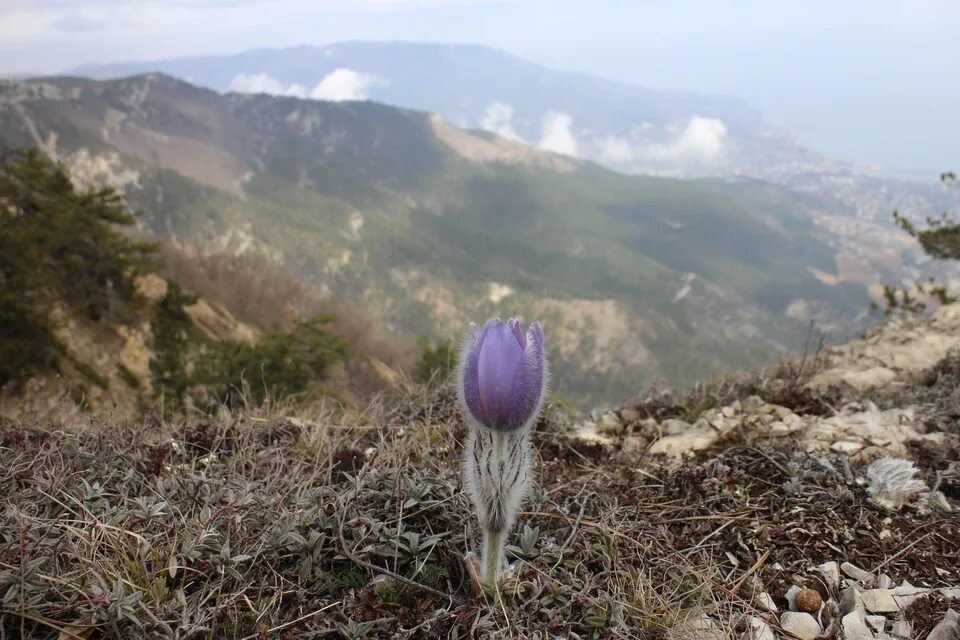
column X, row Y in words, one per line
column 628, row 128
column 457, row 81
column 636, row 278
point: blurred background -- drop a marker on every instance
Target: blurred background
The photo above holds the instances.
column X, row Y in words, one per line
column 318, row 197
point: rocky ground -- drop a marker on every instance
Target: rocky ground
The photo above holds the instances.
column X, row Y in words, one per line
column 864, row 414
column 802, row 502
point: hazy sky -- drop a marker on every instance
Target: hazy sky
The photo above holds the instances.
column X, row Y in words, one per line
column 870, row 81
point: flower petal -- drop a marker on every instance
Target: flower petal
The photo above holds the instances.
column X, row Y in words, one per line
column 528, row 392
column 469, row 378
column 500, row 358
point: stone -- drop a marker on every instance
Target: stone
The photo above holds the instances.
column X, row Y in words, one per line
column 629, row 416
column 723, row 425
column 755, row 404
column 779, row 428
column 846, row 447
column 948, row 629
column 802, row 625
column 850, row 601
column 791, row 595
column 950, row 593
column 854, row 628
column 697, row 626
column 906, row 594
column 587, row 431
column 877, row 623
column 674, row 426
column 863, row 577
column 766, row 603
column 885, row 582
column 879, row 601
column 757, row 629
column 860, row 380
column 901, row 629
column 695, row 439
column 609, row 423
column 831, row 574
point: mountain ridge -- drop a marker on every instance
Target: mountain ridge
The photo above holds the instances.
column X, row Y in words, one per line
column 644, row 277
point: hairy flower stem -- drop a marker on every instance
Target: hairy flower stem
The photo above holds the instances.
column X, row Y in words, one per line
column 492, row 551
column 497, row 470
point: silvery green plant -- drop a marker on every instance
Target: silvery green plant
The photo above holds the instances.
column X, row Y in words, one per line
column 893, row 482
column 502, row 381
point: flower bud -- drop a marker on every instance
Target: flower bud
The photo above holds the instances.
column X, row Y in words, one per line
column 502, row 374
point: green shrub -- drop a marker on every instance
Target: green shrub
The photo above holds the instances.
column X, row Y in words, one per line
column 175, row 340
column 280, row 364
column 58, row 246
column 940, row 240
column 436, row 360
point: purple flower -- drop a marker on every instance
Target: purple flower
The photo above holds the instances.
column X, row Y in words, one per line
column 503, row 374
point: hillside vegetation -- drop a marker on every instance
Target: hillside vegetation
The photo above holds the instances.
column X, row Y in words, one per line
column 428, row 227
column 82, row 307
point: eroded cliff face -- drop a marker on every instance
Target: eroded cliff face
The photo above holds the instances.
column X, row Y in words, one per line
column 105, row 366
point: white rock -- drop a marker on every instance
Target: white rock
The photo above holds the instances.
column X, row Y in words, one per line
column 901, row 629
column 802, row 625
column 609, row 423
column 879, row 601
column 885, row 582
column 877, row 623
column 674, row 426
column 948, row 629
column 854, row 627
column 791, row 595
column 846, row 447
column 950, row 593
column 587, row 431
column 694, row 439
column 757, row 629
column 859, row 380
column 766, row 603
column 850, row 601
column 778, row 428
column 863, row 577
column 697, row 626
column 906, row 594
column 831, row 575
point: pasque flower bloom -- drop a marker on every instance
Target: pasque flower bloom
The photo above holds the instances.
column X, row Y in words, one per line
column 501, row 385
column 503, row 374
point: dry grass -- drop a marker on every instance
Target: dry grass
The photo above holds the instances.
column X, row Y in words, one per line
column 258, row 525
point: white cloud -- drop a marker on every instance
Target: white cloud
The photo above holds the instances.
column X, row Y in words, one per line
column 498, row 119
column 616, row 149
column 701, row 140
column 556, row 134
column 339, row 84
column 344, row 84
column 264, row 83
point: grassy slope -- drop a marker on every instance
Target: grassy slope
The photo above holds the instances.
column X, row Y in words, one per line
column 356, row 526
